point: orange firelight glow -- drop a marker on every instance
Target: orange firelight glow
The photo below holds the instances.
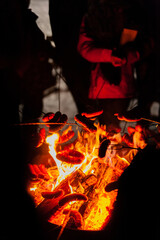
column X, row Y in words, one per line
column 88, row 178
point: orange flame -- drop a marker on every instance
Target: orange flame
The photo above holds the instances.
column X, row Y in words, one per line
column 103, row 171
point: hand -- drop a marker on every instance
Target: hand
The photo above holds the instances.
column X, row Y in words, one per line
column 117, row 62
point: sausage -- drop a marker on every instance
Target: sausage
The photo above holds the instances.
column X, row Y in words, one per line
column 63, row 118
column 50, row 207
column 54, row 194
column 55, row 118
column 58, row 118
column 78, row 220
column 32, row 171
column 103, row 147
column 112, row 186
column 48, row 116
column 42, row 136
column 92, row 115
column 43, row 170
column 85, row 122
column 66, row 137
column 70, row 156
column 38, row 171
column 123, row 118
column 62, row 122
column 72, row 197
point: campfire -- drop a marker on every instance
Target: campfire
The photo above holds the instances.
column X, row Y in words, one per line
column 77, row 186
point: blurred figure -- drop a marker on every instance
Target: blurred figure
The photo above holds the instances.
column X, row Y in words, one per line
column 23, row 72
column 24, row 67
column 136, row 210
column 65, row 18
column 112, row 39
column 148, row 68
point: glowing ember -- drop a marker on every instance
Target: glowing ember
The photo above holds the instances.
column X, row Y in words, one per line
column 72, row 192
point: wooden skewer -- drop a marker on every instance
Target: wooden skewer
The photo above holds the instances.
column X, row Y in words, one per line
column 149, row 120
column 42, row 123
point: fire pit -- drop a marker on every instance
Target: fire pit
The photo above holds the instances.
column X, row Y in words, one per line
column 76, row 187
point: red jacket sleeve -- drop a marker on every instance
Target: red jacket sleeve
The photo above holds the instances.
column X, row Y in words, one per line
column 86, row 47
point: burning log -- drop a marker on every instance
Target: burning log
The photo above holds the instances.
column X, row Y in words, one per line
column 93, row 192
column 88, row 181
column 71, row 180
column 86, row 207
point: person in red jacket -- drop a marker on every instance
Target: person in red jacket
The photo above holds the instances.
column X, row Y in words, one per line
column 110, row 40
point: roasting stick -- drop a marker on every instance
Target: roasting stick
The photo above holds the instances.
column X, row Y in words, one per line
column 64, row 223
column 46, row 123
column 42, row 123
column 149, row 120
